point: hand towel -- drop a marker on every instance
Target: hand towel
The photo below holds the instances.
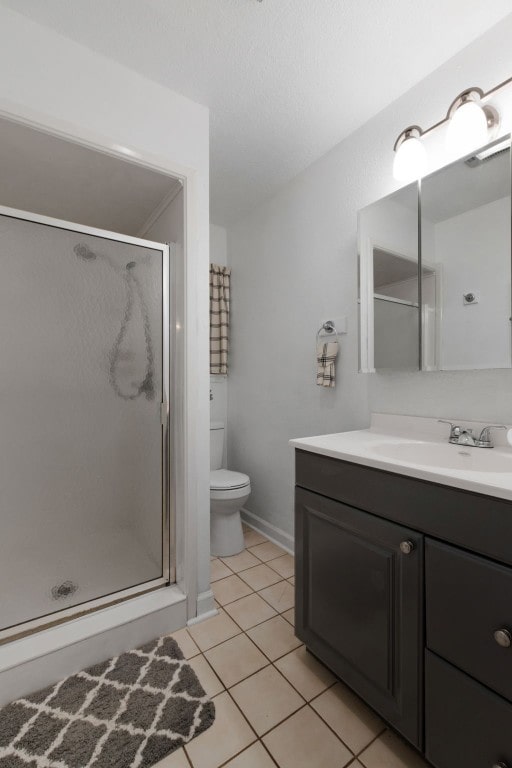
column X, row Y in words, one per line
column 325, row 357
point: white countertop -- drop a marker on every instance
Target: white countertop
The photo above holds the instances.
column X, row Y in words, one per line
column 418, row 447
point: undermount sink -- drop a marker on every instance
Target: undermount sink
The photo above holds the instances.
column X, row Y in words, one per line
column 445, row 456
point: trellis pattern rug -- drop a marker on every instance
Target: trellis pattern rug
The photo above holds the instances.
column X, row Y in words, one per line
column 128, row 712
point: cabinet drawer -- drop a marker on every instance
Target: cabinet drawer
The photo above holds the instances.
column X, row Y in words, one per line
column 468, row 599
column 466, row 724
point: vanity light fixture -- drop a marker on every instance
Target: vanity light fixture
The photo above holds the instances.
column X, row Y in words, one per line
column 410, row 161
column 472, row 124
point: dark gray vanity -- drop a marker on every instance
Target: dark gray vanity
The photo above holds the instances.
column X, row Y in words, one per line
column 404, row 589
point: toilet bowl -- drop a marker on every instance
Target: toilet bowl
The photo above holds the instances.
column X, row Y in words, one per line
column 228, row 493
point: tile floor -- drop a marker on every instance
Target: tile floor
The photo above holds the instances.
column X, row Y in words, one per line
column 276, row 705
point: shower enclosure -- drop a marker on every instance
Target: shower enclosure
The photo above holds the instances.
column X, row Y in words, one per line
column 84, row 382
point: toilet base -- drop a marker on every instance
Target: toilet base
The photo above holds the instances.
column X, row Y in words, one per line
column 226, row 535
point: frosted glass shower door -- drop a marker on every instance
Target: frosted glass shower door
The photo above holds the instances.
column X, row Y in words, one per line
column 82, row 379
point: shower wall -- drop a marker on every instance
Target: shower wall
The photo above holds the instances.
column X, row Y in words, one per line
column 81, row 383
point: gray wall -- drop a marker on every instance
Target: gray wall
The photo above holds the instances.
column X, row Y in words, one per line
column 294, row 264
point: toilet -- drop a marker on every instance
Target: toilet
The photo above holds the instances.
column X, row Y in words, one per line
column 228, row 493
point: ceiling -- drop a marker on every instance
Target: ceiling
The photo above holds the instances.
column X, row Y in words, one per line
column 48, row 175
column 285, row 80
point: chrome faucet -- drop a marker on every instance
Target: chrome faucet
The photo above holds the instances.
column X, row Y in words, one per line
column 464, row 435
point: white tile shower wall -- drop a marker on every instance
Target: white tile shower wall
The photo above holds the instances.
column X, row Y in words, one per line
column 86, row 95
column 295, row 260
column 219, row 384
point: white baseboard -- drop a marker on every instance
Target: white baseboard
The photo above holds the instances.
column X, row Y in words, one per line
column 271, row 532
column 205, row 605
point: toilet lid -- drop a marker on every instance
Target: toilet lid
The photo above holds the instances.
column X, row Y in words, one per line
column 224, row 479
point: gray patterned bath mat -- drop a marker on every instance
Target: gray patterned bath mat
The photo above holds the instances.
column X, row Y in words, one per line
column 127, row 712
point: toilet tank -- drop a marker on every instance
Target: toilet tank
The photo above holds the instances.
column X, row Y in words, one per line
column 216, row 444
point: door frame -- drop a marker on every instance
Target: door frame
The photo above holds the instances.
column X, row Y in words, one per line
column 189, row 497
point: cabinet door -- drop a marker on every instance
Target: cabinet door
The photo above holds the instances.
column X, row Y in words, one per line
column 359, row 604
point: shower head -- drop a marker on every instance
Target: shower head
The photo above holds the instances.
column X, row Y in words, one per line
column 84, row 252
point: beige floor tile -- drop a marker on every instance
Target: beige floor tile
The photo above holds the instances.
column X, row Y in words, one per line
column 260, row 577
column 348, row 716
column 206, row 676
column 292, row 581
column 388, row 751
column 177, row 759
column 266, row 699
column 254, row 757
column 281, row 596
column 236, row 659
column 274, row 637
column 218, row 570
column 240, row 562
column 289, row 616
column 249, row 611
column 252, row 537
column 185, row 642
column 304, row 741
column 305, row 673
column 230, row 589
column 229, row 735
column 267, row 551
column 214, row 631
column 284, row 565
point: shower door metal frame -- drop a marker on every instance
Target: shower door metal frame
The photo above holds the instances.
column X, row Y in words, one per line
column 168, row 561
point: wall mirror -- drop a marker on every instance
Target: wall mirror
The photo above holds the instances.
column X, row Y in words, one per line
column 465, row 242
column 388, row 282
column 454, row 228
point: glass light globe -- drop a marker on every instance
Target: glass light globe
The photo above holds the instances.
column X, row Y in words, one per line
column 410, row 160
column 467, row 129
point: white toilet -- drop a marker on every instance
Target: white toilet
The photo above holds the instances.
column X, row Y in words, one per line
column 228, row 493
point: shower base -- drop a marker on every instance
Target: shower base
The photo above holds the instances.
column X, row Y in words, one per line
column 43, row 580
column 42, row 658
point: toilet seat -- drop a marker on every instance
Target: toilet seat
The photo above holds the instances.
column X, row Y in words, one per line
column 226, row 480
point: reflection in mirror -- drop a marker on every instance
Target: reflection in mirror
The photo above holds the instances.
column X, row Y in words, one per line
column 388, row 294
column 466, row 260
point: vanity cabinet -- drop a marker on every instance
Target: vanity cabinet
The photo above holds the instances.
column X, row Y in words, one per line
column 408, row 605
column 360, row 606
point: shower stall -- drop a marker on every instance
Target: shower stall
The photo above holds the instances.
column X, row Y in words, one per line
column 84, row 412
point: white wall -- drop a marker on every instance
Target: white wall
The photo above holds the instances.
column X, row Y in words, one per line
column 294, row 263
column 48, row 80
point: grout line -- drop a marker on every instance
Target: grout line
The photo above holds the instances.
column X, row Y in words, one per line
column 187, row 758
column 371, row 742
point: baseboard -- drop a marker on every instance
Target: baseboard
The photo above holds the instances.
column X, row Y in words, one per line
column 271, row 532
column 205, row 606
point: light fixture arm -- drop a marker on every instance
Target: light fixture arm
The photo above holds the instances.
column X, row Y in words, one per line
column 411, row 132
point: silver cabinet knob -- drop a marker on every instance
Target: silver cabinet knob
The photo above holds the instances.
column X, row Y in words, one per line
column 504, row 638
column 406, row 547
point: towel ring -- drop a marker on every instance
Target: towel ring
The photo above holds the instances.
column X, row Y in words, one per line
column 327, row 327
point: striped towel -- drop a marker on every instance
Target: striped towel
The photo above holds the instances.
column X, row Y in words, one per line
column 325, row 357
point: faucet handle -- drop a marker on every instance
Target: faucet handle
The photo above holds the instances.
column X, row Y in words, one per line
column 455, row 430
column 485, row 434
